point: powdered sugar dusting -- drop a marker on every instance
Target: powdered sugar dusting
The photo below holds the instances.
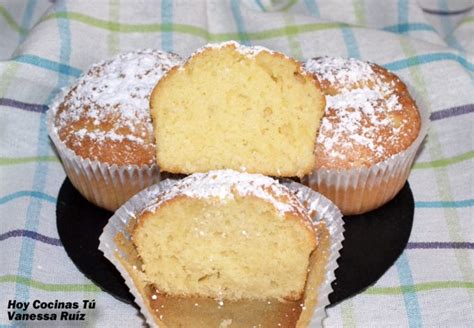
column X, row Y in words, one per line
column 339, row 70
column 112, row 97
column 225, row 184
column 249, row 51
column 359, row 108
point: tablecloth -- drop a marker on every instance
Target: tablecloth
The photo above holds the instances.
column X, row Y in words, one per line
column 44, row 45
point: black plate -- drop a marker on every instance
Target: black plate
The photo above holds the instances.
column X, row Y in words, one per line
column 373, row 241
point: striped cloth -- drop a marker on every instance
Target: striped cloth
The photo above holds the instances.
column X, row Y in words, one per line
column 44, row 45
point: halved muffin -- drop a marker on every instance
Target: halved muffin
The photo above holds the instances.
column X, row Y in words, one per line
column 222, row 241
column 235, row 107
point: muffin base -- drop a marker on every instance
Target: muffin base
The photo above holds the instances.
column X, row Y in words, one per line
column 367, row 194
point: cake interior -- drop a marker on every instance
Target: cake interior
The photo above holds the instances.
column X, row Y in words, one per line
column 177, row 311
column 240, row 248
column 255, row 114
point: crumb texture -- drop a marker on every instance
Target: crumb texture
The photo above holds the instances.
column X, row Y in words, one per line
column 105, row 114
column 369, row 115
column 235, row 242
column 247, row 109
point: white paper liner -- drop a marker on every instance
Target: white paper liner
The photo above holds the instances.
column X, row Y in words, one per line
column 106, row 185
column 319, row 207
column 359, row 190
column 322, row 209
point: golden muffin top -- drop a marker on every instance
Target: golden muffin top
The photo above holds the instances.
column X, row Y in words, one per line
column 226, row 184
column 369, row 116
column 105, row 114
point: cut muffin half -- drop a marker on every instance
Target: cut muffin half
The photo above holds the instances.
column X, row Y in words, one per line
column 236, row 107
column 227, row 235
column 210, row 248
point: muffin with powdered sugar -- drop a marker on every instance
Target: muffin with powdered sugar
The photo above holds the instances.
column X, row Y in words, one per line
column 227, row 249
column 369, row 134
column 101, row 126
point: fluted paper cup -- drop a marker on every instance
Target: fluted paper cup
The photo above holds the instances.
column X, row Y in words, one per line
column 105, row 185
column 362, row 189
column 117, row 246
column 322, row 211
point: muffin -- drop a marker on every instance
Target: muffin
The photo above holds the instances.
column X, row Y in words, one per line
column 245, row 108
column 225, row 248
column 102, row 129
column 208, row 235
column 368, row 137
